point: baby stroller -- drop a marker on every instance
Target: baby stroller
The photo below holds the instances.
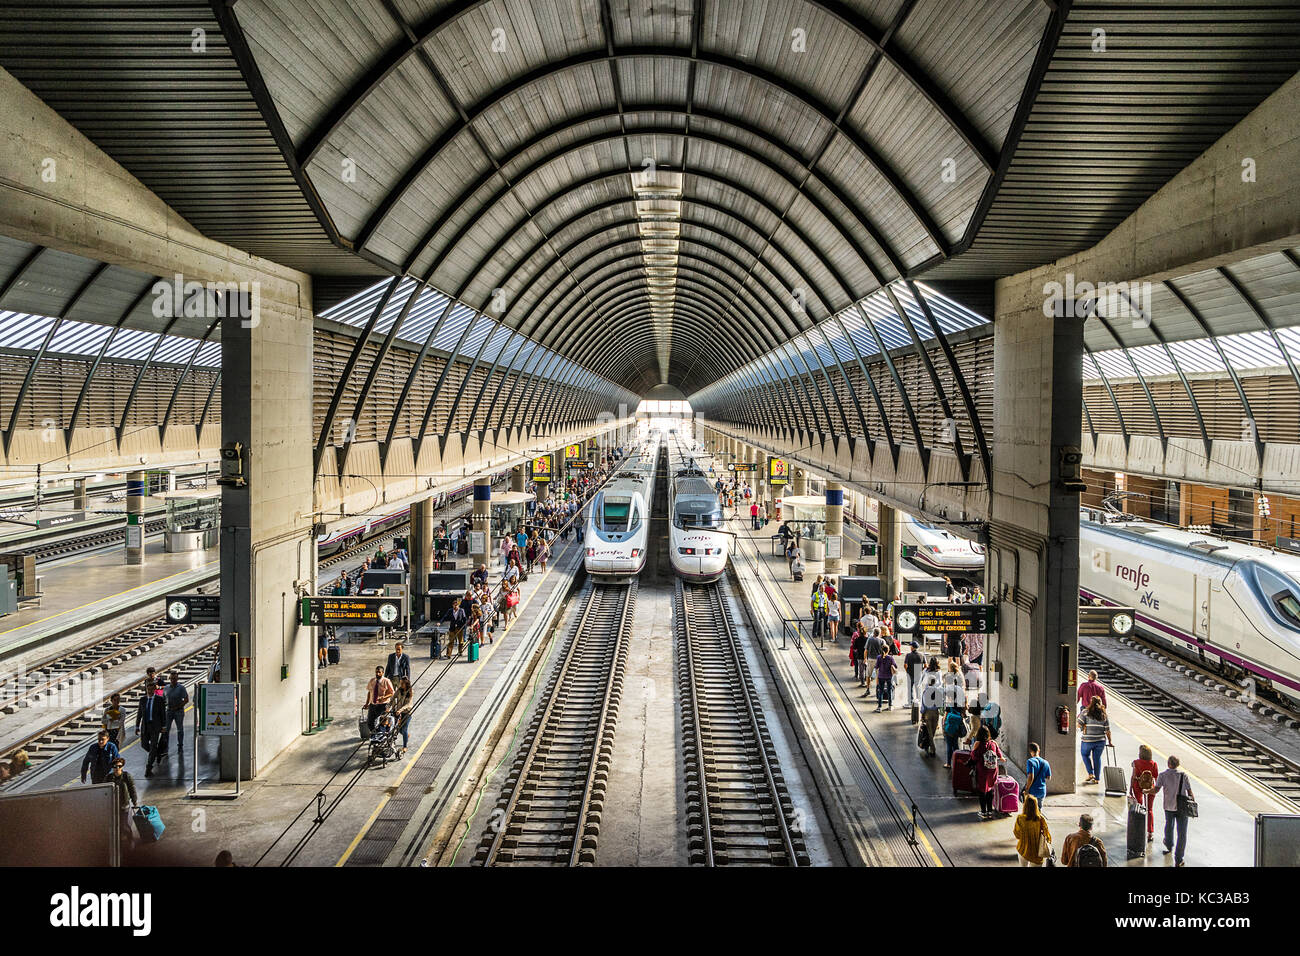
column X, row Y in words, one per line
column 383, row 740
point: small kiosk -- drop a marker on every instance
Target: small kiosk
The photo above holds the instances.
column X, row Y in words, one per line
column 806, row 516
column 193, row 519
column 509, row 511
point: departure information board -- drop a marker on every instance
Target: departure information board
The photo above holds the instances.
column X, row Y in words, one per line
column 193, row 608
column 945, row 618
column 351, row 611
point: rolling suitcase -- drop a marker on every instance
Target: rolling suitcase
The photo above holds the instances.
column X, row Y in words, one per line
column 1007, row 795
column 916, row 713
column 1112, row 775
column 332, row 653
column 1136, row 842
column 472, row 652
column 363, row 726
column 962, row 773
column 148, row 824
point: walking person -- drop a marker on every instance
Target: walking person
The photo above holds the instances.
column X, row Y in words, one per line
column 99, row 758
column 858, row 650
column 885, row 667
column 177, row 697
column 833, row 615
column 1081, row 848
column 115, row 720
column 1033, row 838
column 1180, row 806
column 379, row 691
column 1142, row 785
column 1037, row 772
column 150, row 725
column 398, row 664
column 402, row 707
column 875, row 647
column 1094, row 736
column 986, row 757
column 457, row 618
column 954, row 729
column 126, row 797
column 1088, row 690
column 913, row 669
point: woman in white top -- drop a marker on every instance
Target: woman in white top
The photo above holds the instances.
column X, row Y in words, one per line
column 833, row 618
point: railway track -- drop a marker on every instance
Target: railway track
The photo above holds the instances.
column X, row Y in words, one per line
column 550, row 807
column 48, row 550
column 738, row 809
column 1270, row 769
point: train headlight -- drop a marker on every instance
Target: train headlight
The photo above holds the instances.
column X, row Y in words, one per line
column 591, row 552
column 636, row 552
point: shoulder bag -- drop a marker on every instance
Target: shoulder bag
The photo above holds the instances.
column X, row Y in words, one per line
column 1186, row 805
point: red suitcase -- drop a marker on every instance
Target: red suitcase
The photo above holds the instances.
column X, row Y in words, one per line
column 1007, row 795
column 962, row 777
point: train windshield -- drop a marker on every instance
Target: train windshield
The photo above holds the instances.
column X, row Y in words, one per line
column 697, row 519
column 617, row 514
column 1280, row 591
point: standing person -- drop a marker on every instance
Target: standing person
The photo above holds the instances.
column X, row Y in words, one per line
column 505, row 550
column 875, row 647
column 543, row 552
column 931, row 695
column 986, row 757
column 402, row 706
column 126, row 797
column 480, row 576
column 954, row 729
column 177, row 698
column 1142, row 785
column 1033, row 838
column 115, row 719
column 885, row 667
column 379, row 691
column 1177, row 789
column 859, row 650
column 1094, row 735
column 99, row 758
column 1088, row 690
column 1081, row 848
column 954, row 645
column 150, row 725
column 1037, row 772
column 457, row 618
column 819, row 606
column 399, row 663
column 833, row 615
column 913, row 665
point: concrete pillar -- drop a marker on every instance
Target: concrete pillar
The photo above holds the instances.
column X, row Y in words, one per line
column 79, row 494
column 1184, row 505
column 421, row 551
column 480, row 548
column 517, row 478
column 834, row 527
column 1034, row 533
column 889, row 535
column 798, row 481
column 268, row 551
column 137, row 490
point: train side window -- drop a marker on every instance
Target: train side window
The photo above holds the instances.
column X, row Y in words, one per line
column 1287, row 604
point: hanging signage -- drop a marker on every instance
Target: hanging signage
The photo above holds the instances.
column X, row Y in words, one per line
column 218, row 707
column 572, row 452
column 778, row 471
column 742, row 466
column 193, row 608
column 351, row 611
column 593, row 446
column 55, row 521
column 939, row 619
column 541, row 468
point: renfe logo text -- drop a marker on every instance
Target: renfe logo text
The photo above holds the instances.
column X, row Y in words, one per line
column 76, row 909
column 1136, row 576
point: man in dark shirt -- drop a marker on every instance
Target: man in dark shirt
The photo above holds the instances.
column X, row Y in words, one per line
column 150, row 724
column 177, row 697
column 913, row 664
column 99, row 759
column 399, row 664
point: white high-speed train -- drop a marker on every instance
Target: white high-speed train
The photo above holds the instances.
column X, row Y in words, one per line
column 698, row 546
column 1233, row 605
column 618, row 522
column 936, row 549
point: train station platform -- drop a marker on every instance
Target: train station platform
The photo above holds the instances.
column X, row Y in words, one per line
column 88, row 595
column 317, row 804
column 874, row 773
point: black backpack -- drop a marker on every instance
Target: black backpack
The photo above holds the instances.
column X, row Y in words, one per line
column 1088, row 855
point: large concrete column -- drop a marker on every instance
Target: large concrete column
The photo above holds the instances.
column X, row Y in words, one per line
column 79, row 494
column 481, row 521
column 1034, row 533
column 137, row 491
column 798, row 481
column 834, row 527
column 268, row 551
column 889, row 555
column 517, row 478
column 421, row 551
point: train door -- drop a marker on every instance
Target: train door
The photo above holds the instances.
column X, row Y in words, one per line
column 1201, row 598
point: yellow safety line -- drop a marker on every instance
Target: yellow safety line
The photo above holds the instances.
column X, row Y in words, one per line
column 852, row 712
column 108, row 597
column 383, row 801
